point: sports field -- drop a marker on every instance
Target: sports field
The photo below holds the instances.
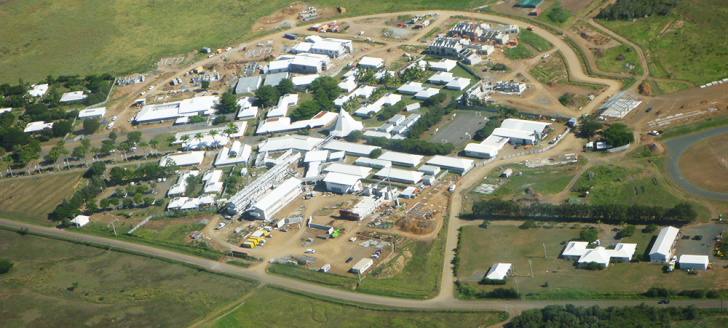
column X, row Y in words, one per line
column 705, row 163
column 270, row 307
column 61, row 284
column 33, row 198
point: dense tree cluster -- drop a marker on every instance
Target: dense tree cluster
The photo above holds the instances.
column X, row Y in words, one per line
column 559, row 15
column 618, row 135
column 588, row 126
column 147, row 171
column 486, row 281
column 325, row 91
column 69, row 208
column 499, row 293
column 682, row 213
column 612, row 317
column 228, row 103
column 389, row 111
column 662, row 292
column 432, row 117
column 487, row 130
column 413, row 146
column 631, row 9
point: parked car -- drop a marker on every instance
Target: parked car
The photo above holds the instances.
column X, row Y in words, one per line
column 649, row 109
column 310, row 251
column 664, row 302
column 284, row 230
column 349, row 259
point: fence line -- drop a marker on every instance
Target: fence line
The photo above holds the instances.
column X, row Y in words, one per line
column 107, row 96
column 540, row 150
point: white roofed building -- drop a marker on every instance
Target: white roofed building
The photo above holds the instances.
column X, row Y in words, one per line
column 488, row 148
column 237, row 153
column 694, row 262
column 37, row 126
column 345, row 124
column 342, row 183
column 73, row 96
column 458, row 83
column 577, row 250
column 80, row 220
column 348, row 84
column 426, row 93
column 373, row 163
column 499, row 271
column 247, row 84
column 661, row 251
column 303, row 81
column 387, row 100
column 371, row 62
column 398, row 175
column 38, row 90
column 276, row 200
column 213, row 182
column 354, row 170
column 316, row 156
column 180, row 187
column 93, row 112
column 443, row 65
column 402, row 159
column 350, row 148
column 282, row 124
column 183, row 159
column 452, row 164
column 201, row 106
column 410, row 88
column 441, row 78
column 295, row 142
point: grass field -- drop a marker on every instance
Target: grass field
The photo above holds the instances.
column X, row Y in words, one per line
column 682, row 45
column 518, row 52
column 683, row 129
column 481, row 248
column 32, row 199
column 544, row 17
column 551, row 69
column 535, row 41
column 60, row 284
column 278, row 308
column 82, row 37
column 609, row 62
column 705, row 160
column 666, row 87
column 544, row 180
column 418, row 279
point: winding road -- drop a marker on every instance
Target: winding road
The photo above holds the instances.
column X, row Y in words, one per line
column 676, row 147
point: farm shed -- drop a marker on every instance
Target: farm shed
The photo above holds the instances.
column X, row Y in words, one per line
column 661, row 252
column 80, row 221
column 499, row 271
column 362, row 266
column 693, row 262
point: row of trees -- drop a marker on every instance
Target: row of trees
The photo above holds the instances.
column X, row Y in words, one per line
column 499, row 293
column 487, row 130
column 682, row 213
column 569, row 316
column 147, row 171
column 631, row 9
column 69, row 208
column 389, row 111
column 413, row 146
column 432, row 117
column 616, row 135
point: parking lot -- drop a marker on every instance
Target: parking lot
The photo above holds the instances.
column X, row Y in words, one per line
column 455, row 131
column 704, row 246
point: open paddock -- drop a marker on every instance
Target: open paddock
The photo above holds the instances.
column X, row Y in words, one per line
column 705, row 162
column 33, row 198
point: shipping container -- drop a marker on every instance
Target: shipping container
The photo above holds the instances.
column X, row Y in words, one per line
column 290, row 36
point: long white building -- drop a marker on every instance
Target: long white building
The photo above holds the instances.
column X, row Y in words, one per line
column 276, row 200
column 661, row 251
column 171, row 111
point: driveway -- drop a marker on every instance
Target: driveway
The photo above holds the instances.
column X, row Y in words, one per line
column 700, row 247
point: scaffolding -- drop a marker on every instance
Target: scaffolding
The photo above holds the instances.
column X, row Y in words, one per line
column 621, row 104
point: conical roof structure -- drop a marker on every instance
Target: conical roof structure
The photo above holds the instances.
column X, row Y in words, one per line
column 345, row 124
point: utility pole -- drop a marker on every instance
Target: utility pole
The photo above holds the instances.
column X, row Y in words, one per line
column 544, row 251
column 112, row 226
column 516, row 280
column 529, row 265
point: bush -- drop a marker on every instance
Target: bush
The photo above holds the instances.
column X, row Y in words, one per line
column 567, row 99
column 650, row 228
column 487, row 281
column 499, row 67
column 487, row 130
column 220, row 120
column 528, row 224
column 559, row 15
column 375, row 153
column 589, row 235
column 591, row 266
column 618, row 135
column 504, row 293
column 658, row 292
column 695, row 293
column 5, row 265
column 197, row 119
column 91, row 125
column 627, row 231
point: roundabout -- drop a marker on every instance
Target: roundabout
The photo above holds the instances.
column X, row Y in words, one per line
column 705, row 174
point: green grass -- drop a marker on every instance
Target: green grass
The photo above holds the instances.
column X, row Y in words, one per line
column 481, row 248
column 419, row 279
column 114, row 289
column 163, row 145
column 710, row 322
column 279, row 308
column 563, row 17
column 544, row 180
column 518, row 52
column 609, row 63
column 667, row 87
column 535, row 41
column 431, row 32
column 691, row 52
column 32, row 199
column 683, row 129
column 83, row 37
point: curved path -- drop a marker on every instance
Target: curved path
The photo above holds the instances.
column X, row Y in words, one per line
column 676, row 147
column 433, row 304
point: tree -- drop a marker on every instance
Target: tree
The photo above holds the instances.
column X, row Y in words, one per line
column 627, row 231
column 134, row 137
column 138, row 198
column 114, row 201
column 86, row 143
column 148, row 201
column 645, row 89
column 113, row 136
column 268, row 95
column 487, row 130
column 650, row 228
column 325, row 90
column 128, row 202
column 5, row 266
column 91, row 207
column 153, row 143
column 220, row 120
column 285, row 86
column 306, row 110
column 60, row 128
column 354, row 136
column 104, row 203
column 228, row 103
column 528, row 224
column 91, row 125
column 589, row 235
column 588, row 126
column 171, row 139
column 96, row 169
column 375, row 153
column 618, row 135
column 79, row 152
column 205, row 85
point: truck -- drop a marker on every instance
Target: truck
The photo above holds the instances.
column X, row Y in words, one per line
column 452, row 188
column 249, row 244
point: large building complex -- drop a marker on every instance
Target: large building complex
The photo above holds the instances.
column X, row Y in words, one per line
column 201, row 106
column 276, row 200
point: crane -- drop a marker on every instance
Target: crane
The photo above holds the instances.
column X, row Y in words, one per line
column 472, row 20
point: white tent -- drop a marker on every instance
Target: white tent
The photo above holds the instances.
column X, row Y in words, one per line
column 345, row 124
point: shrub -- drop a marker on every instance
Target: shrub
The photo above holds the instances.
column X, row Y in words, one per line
column 528, row 224
column 650, row 228
column 5, row 265
column 487, row 281
column 589, row 235
column 591, row 266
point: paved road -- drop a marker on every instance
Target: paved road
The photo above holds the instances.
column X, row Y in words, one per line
column 676, row 147
column 439, row 303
